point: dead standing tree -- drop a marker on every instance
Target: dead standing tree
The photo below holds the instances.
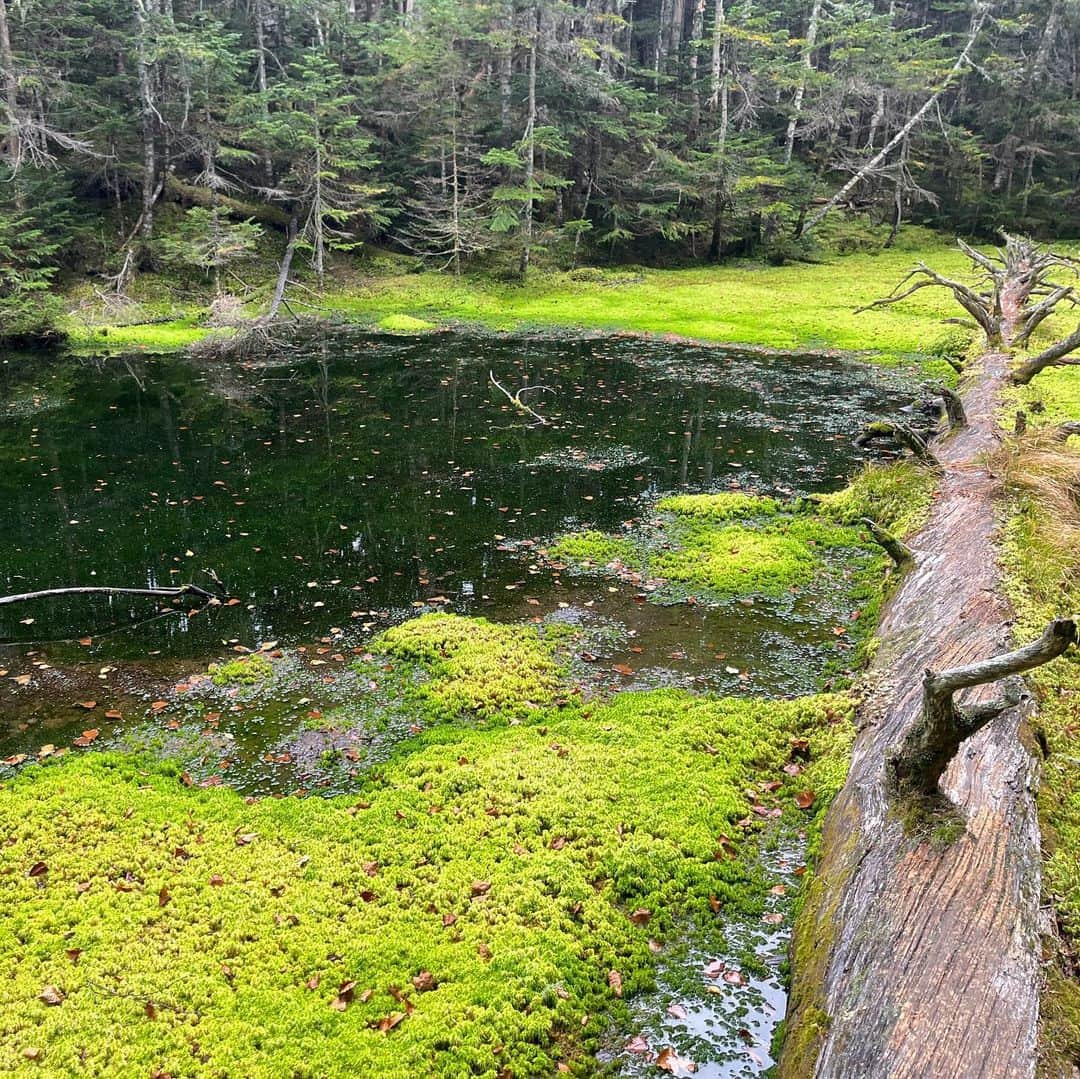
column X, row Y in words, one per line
column 999, row 300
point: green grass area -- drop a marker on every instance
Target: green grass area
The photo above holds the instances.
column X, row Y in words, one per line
column 801, row 306
column 172, row 335
column 461, row 914
column 798, row 306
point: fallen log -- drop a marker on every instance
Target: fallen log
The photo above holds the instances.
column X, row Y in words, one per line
column 191, row 195
column 916, row 954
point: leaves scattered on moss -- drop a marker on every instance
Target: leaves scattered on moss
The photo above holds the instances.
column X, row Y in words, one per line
column 293, row 929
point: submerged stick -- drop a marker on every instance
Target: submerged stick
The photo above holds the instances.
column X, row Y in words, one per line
column 515, row 398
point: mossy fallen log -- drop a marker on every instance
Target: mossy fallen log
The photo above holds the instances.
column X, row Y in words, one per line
column 189, row 195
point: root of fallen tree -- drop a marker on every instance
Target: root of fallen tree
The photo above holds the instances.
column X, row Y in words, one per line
column 917, row 951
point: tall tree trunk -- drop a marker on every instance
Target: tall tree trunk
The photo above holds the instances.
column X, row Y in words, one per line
column 1046, row 43
column 259, row 16
column 879, row 107
column 530, row 150
column 317, row 222
column 506, row 67
column 13, row 142
column 697, row 28
column 719, row 100
column 147, row 115
column 800, row 89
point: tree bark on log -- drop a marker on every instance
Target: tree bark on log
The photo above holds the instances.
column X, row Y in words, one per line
column 918, row 956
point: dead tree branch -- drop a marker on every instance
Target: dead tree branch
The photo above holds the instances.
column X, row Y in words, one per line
column 1054, row 356
column 105, row 590
column 918, row 763
column 983, row 307
column 897, row 550
column 515, row 398
column 1000, row 298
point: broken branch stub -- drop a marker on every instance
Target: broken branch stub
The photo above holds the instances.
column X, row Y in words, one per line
column 897, row 550
column 954, row 406
column 902, row 435
column 918, row 763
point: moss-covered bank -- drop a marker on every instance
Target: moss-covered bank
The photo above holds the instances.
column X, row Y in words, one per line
column 460, row 914
column 1041, row 535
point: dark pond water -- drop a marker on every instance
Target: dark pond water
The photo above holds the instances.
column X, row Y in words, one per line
column 372, row 473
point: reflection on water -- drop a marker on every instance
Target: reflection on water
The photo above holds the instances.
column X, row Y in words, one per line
column 366, row 474
column 359, row 479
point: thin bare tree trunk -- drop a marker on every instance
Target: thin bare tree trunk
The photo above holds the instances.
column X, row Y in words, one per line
column 283, row 275
column 800, row 89
column 13, row 143
column 530, row 151
column 147, row 114
column 259, row 15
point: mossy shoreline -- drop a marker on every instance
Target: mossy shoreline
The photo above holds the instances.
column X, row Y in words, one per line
column 800, row 307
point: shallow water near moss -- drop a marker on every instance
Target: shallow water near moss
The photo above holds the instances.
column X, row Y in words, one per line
column 353, row 481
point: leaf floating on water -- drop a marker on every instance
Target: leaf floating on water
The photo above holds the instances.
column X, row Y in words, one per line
column 670, row 1061
column 623, row 669
column 86, row 737
column 714, row 969
column 638, row 1046
column 676, row 1011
